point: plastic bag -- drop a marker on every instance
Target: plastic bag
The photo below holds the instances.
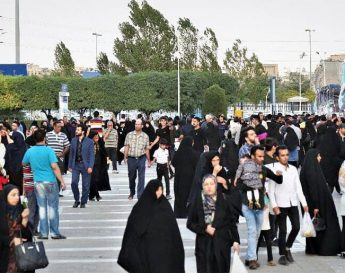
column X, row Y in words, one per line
column 341, row 177
column 307, row 229
column 237, row 265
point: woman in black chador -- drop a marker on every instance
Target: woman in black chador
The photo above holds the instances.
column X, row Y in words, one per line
column 152, row 242
column 99, row 177
column 184, row 162
column 211, row 218
column 320, row 202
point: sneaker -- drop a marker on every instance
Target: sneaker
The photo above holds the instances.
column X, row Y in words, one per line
column 59, row 237
column 271, row 263
column 253, row 265
column 76, row 204
column 82, row 206
column 289, row 256
column 168, row 197
column 115, row 171
column 42, row 237
column 282, row 260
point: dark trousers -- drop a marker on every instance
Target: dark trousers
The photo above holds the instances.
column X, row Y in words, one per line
column 78, row 170
column 112, row 154
column 171, row 156
column 163, row 170
column 61, row 165
column 274, row 226
column 136, row 165
column 33, row 210
column 293, row 215
column 266, row 234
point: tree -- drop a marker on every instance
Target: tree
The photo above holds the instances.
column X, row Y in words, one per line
column 239, row 65
column 208, row 52
column 148, row 41
column 103, row 64
column 215, row 101
column 188, row 44
column 64, row 63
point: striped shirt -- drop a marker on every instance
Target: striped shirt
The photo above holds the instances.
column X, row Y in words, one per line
column 137, row 143
column 96, row 125
column 58, row 142
column 28, row 179
column 112, row 140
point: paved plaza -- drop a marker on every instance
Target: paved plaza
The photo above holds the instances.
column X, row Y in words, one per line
column 95, row 235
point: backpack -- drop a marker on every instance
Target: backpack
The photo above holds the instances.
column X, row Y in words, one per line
column 291, row 139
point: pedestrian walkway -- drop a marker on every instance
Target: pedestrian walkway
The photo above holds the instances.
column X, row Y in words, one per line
column 95, row 235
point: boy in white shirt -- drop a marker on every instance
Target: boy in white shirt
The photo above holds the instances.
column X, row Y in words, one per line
column 161, row 156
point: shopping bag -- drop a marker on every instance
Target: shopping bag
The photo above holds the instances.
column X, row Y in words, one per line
column 237, row 265
column 307, row 229
column 341, row 177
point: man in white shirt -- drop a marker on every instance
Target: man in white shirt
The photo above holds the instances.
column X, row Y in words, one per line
column 285, row 199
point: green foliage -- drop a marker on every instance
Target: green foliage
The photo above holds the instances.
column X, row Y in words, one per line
column 208, row 52
column 103, row 63
column 146, row 91
column 148, row 41
column 215, row 101
column 283, row 94
column 188, row 44
column 239, row 65
column 64, row 64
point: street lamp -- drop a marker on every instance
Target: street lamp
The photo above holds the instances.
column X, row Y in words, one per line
column 17, row 27
column 96, row 35
column 177, row 55
column 310, row 31
column 300, row 81
column 324, row 66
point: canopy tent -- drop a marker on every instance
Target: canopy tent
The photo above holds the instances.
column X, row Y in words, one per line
column 297, row 99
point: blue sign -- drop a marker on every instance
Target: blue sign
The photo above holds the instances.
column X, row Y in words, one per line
column 13, row 69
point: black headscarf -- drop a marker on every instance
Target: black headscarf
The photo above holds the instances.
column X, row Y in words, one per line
column 13, row 212
column 16, row 151
column 185, row 148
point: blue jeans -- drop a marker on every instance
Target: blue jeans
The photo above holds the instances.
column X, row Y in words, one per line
column 254, row 219
column 33, row 208
column 78, row 170
column 47, row 195
column 136, row 165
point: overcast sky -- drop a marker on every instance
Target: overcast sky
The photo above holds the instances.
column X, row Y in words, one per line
column 273, row 29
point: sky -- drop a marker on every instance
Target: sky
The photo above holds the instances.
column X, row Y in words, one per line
column 273, row 29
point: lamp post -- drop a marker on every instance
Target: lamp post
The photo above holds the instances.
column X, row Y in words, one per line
column 96, row 35
column 17, row 33
column 324, row 66
column 310, row 31
column 300, row 81
column 177, row 55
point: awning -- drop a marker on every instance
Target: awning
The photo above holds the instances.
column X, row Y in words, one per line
column 297, row 99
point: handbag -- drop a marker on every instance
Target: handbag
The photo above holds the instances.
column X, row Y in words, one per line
column 319, row 223
column 30, row 255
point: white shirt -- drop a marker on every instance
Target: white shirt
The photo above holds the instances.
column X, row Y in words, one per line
column 161, row 155
column 289, row 193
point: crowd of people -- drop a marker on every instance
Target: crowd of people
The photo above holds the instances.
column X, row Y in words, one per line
column 262, row 168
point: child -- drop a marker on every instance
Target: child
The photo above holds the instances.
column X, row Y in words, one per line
column 161, row 156
column 249, row 172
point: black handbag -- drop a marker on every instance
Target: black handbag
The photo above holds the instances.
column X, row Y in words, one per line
column 30, row 255
column 319, row 223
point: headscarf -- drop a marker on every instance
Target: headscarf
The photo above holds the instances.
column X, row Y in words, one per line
column 13, row 212
column 186, row 143
column 209, row 202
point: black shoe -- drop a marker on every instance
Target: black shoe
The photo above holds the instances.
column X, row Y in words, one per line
column 60, row 195
column 246, row 262
column 82, row 206
column 59, row 237
column 282, row 260
column 42, row 237
column 36, row 234
column 275, row 242
column 76, row 204
column 92, row 199
column 130, row 197
column 289, row 256
column 99, row 198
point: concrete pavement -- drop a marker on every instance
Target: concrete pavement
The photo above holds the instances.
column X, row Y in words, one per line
column 95, row 235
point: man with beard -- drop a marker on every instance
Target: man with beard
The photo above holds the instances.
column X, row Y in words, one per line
column 251, row 140
column 81, row 161
column 198, row 136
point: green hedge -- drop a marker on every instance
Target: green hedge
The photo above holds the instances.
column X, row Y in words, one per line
column 147, row 91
